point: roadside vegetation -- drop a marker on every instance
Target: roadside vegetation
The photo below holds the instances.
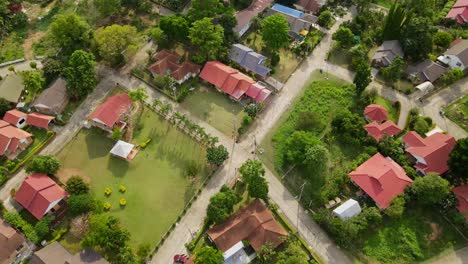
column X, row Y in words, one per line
column 457, row 111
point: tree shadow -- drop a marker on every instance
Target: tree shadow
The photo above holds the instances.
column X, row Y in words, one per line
column 118, row 167
column 97, row 145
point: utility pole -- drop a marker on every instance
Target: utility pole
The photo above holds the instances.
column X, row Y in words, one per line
column 298, row 205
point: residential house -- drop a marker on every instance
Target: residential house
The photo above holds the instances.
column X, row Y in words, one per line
column 244, row 17
column 299, row 22
column 348, row 209
column 123, row 150
column 375, row 112
column 13, row 140
column 461, row 192
column 459, row 12
column 39, row 120
column 40, row 195
column 253, row 223
column 167, row 63
column 16, row 118
column 111, row 113
column 386, row 53
column 456, row 57
column 425, row 71
column 431, row 153
column 249, row 60
column 311, row 6
column 52, row 100
column 11, row 243
column 55, row 253
column 11, row 88
column 381, row 178
column 378, row 131
column 232, row 82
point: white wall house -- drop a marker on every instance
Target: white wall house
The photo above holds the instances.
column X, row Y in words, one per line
column 452, row 61
column 456, row 57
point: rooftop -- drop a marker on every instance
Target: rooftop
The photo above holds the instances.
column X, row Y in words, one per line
column 11, row 88
column 112, row 109
column 54, row 98
column 378, row 131
column 376, row 112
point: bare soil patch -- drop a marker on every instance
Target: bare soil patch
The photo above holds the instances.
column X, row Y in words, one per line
column 27, row 45
column 436, row 232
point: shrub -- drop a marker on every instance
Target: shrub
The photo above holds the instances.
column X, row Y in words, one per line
column 122, row 202
column 122, row 189
column 76, row 185
column 13, row 193
column 107, row 206
column 33, row 64
column 80, row 204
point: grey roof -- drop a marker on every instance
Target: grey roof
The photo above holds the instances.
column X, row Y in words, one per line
column 122, row 149
column 296, row 24
column 388, row 51
column 460, row 50
column 55, row 253
column 249, row 59
column 54, row 98
column 427, row 70
column 11, row 88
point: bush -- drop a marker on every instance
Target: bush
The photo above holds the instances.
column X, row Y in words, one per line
column 80, row 204
column 33, row 64
column 76, row 185
column 107, row 191
column 122, row 202
column 47, row 164
column 122, row 189
column 107, row 206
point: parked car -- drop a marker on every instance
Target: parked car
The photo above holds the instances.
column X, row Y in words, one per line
column 180, row 258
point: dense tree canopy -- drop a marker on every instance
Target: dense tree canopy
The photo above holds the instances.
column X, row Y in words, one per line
column 204, row 9
column 443, row 39
column 47, row 164
column 363, row 76
column 344, row 36
column 325, row 18
column 175, row 27
column 70, row 32
column 208, row 255
column 396, row 208
column 208, row 38
column 349, row 126
column 115, row 41
column 292, row 254
column 33, row 81
column 221, row 205
column 107, row 7
column 396, row 19
column 80, row 74
column 76, row 185
column 393, row 72
column 252, row 173
column 80, row 204
column 297, row 146
column 430, row 189
column 139, row 94
column 459, row 159
column 416, row 37
column 217, row 155
column 274, row 31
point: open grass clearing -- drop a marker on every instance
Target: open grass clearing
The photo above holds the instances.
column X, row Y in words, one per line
column 215, row 108
column 339, row 57
column 457, row 111
column 155, row 178
column 393, row 112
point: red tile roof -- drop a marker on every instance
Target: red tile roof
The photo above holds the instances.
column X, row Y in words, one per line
column 435, row 151
column 376, row 112
column 253, row 223
column 37, row 193
column 233, row 82
column 244, row 16
column 459, row 12
column 309, row 5
column 462, row 195
column 112, row 109
column 3, row 123
column 378, row 131
column 39, row 120
column 168, row 63
column 381, row 178
column 184, row 69
column 10, row 137
column 13, row 116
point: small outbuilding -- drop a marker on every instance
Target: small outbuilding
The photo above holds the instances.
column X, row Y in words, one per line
column 348, row 209
column 123, row 150
column 53, row 99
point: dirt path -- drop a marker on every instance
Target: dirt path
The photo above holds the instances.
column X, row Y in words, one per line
column 28, row 44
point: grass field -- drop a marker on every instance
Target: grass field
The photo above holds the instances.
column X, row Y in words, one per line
column 393, row 112
column 457, row 111
column 158, row 186
column 216, row 109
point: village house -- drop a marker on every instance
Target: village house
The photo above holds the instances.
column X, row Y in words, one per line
column 55, row 253
column 456, row 57
column 425, row 71
column 386, row 53
column 244, row 17
column 11, row 243
column 112, row 112
column 52, row 100
column 431, row 153
column 253, row 223
column 299, row 22
column 459, row 12
column 11, row 88
column 40, row 195
column 311, row 6
column 16, row 118
column 13, row 140
column 39, row 120
column 249, row 60
column 461, row 192
column 232, row 82
column 381, row 178
column 378, row 131
column 375, row 112
column 167, row 63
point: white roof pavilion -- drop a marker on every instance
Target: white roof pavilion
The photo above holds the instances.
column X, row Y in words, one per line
column 122, row 149
column 348, row 209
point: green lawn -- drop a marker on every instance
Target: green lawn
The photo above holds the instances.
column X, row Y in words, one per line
column 158, row 186
column 393, row 112
column 11, row 47
column 457, row 111
column 215, row 108
column 39, row 135
column 339, row 57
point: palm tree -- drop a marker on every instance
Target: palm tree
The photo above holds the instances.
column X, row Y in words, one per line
column 213, row 140
column 156, row 104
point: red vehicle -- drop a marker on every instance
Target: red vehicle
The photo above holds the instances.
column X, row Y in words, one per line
column 180, row 258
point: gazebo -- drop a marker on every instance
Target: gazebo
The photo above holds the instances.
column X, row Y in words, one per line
column 123, row 150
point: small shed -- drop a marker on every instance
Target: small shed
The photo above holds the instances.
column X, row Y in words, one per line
column 123, row 150
column 348, row 209
column 425, row 87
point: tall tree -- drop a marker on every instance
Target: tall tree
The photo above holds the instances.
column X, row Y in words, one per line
column 114, row 41
column 459, row 159
column 297, row 146
column 208, row 38
column 221, row 205
column 47, row 164
column 208, row 255
column 228, row 21
column 139, row 94
column 33, row 81
column 393, row 72
column 70, row 32
column 394, row 22
column 430, row 189
column 344, row 36
column 250, row 169
column 80, row 74
column 107, row 7
column 416, row 37
column 274, row 31
column 204, row 9
column 443, row 39
column 217, row 155
column 363, row 77
column 175, row 27
column 292, row 254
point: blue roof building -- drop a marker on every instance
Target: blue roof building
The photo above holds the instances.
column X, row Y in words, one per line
column 287, row 10
column 249, row 59
column 298, row 21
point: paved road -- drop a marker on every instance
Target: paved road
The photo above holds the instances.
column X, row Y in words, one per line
column 458, row 257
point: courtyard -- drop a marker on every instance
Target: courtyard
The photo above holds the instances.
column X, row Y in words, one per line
column 167, row 172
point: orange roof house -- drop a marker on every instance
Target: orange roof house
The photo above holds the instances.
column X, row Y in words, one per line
column 233, row 82
column 16, row 118
column 39, row 120
column 378, row 131
column 10, row 242
column 461, row 192
column 13, row 139
column 431, row 153
column 167, row 62
column 253, row 223
column 38, row 194
column 381, row 178
column 375, row 112
column 111, row 111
